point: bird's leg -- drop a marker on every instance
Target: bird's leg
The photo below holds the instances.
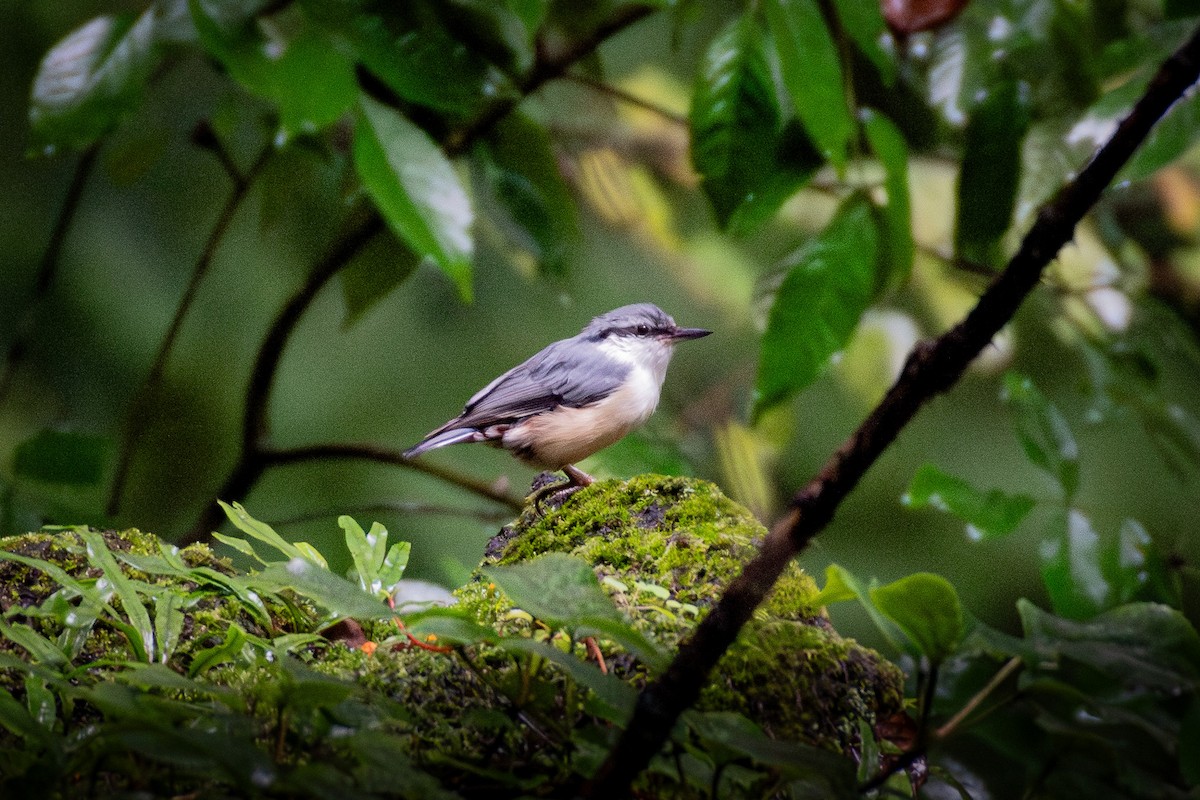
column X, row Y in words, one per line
column 577, row 477
column 576, row 480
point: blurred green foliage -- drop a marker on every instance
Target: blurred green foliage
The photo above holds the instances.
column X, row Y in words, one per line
column 819, row 191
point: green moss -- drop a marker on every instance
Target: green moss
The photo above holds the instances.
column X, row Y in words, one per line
column 681, row 534
column 663, row 548
column 206, row 617
column 789, row 670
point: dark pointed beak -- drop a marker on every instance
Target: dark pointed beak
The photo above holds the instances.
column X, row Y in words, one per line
column 679, row 334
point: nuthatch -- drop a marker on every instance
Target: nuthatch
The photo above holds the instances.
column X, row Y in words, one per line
column 575, row 397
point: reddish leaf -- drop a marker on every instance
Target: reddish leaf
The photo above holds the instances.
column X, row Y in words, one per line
column 913, row 16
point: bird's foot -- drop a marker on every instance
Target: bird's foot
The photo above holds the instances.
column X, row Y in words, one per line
column 558, row 491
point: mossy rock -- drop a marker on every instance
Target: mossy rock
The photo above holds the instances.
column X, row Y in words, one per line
column 488, row 723
column 664, row 549
column 789, row 670
column 206, row 618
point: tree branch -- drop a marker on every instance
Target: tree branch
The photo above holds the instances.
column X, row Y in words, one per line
column 135, row 424
column 431, row 509
column 251, row 459
column 546, row 68
column 48, row 268
column 617, row 93
column 383, row 455
column 932, row 368
column 254, row 455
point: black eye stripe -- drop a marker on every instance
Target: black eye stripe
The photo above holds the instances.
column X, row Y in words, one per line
column 633, row 330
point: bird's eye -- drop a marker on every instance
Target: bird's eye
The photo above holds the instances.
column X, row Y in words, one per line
column 642, row 330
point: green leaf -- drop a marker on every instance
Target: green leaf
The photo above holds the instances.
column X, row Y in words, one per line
column 735, row 118
column 812, row 74
column 228, row 650
column 1123, row 561
column 15, row 717
column 414, row 55
column 991, row 172
column 341, row 597
column 896, row 238
column 1071, row 557
column 927, row 609
column 239, row 544
column 537, row 208
column 829, row 284
column 42, row 649
column 824, row 774
column 100, row 557
column 158, row 676
column 307, row 76
column 556, row 588
column 394, row 564
column 618, row 630
column 91, row 79
column 416, row 189
column 1043, row 431
column 313, row 84
column 366, row 281
column 1169, row 139
column 61, row 457
column 362, row 553
column 43, row 706
column 168, row 622
column 259, row 531
column 312, row 554
column 378, row 568
column 839, row 587
column 89, row 596
column 987, row 516
column 449, row 625
column 617, row 697
column 1143, row 645
column 864, row 22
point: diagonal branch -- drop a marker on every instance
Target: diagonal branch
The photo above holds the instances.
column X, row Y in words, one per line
column 135, row 424
column 252, row 461
column 48, row 267
column 932, row 368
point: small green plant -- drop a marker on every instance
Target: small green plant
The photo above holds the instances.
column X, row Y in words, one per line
column 254, row 701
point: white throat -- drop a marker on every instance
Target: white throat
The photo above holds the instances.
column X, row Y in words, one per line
column 644, row 354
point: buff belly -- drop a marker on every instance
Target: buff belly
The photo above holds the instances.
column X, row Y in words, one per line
column 567, row 435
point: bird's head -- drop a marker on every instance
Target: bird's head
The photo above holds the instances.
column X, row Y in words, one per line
column 641, row 334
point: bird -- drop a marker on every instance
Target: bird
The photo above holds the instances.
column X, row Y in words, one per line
column 576, row 396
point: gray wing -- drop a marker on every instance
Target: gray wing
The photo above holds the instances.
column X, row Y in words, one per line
column 567, row 373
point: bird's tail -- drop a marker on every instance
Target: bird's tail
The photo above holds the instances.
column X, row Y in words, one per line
column 434, row 441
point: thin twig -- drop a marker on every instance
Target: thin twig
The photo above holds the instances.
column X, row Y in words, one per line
column 383, row 455
column 139, row 416
column 909, row 757
column 951, row 725
column 618, row 93
column 432, row 509
column 546, row 68
column 932, row 368
column 251, row 462
column 48, row 268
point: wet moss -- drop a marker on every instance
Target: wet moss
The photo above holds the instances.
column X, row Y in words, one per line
column 664, row 550
column 207, row 616
column 669, row 547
